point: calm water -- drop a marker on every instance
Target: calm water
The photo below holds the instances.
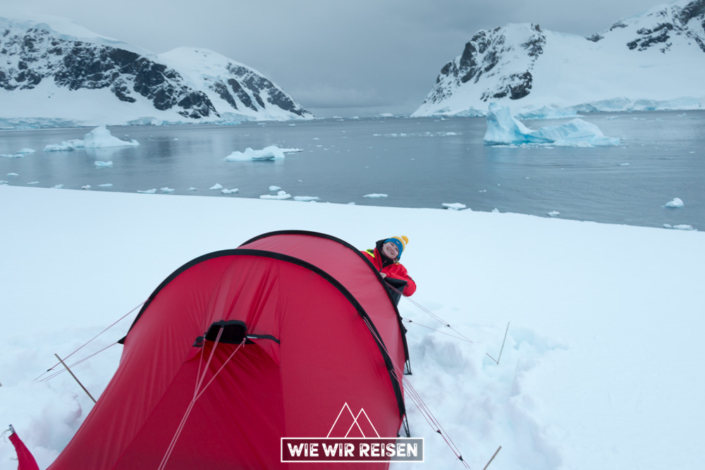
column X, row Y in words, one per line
column 416, row 162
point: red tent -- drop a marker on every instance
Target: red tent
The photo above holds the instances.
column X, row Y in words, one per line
column 315, row 328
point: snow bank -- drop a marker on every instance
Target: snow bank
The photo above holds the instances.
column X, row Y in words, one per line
column 504, row 129
column 266, row 154
column 587, row 379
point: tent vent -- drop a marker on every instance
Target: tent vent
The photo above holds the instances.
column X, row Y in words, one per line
column 234, row 331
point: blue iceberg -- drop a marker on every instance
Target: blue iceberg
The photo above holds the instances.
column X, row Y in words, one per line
column 504, row 129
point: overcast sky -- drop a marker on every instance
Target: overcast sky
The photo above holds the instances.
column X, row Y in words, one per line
column 346, row 58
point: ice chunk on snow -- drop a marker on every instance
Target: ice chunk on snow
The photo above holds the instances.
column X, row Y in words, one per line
column 504, row 129
column 100, row 164
column 375, row 195
column 279, row 195
column 65, row 146
column 148, row 191
column 100, row 137
column 675, row 203
column 679, row 227
column 26, row 151
column 167, row 190
column 553, row 214
column 216, row 186
column 456, row 206
column 275, row 188
column 105, row 185
column 306, row 198
column 268, row 153
column 229, row 191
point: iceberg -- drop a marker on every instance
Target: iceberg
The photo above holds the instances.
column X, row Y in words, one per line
column 268, row 153
column 456, row 206
column 100, row 137
column 504, row 129
column 65, row 146
column 675, row 203
column 279, row 196
column 375, row 195
column 100, row 164
column 306, row 198
column 546, row 112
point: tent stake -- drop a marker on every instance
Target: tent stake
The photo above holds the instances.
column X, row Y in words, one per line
column 75, row 378
column 495, row 455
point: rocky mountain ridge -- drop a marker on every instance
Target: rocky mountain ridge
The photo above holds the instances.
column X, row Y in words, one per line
column 661, row 50
column 38, row 62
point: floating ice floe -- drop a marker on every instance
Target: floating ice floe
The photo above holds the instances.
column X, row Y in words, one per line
column 675, row 203
column 279, row 195
column 679, row 227
column 216, row 187
column 13, row 175
column 266, row 154
column 58, row 186
column 86, row 186
column 553, row 214
column 33, row 182
column 275, row 188
column 624, row 164
column 4, row 182
column 167, row 190
column 26, row 151
column 100, row 164
column 229, row 191
column 306, row 198
column 192, row 189
column 375, row 195
column 12, row 155
column 291, row 150
column 456, row 206
column 100, row 137
column 148, row 191
column 65, row 146
column 503, row 129
column 105, row 185
column 495, row 211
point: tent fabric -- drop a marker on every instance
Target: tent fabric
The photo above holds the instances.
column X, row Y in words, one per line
column 25, row 459
column 305, row 300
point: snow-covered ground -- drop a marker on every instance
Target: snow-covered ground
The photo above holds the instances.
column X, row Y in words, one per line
column 602, row 367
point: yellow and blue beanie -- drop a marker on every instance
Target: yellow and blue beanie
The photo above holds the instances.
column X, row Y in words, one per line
column 400, row 242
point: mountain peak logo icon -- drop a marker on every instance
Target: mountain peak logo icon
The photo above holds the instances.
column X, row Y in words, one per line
column 349, row 425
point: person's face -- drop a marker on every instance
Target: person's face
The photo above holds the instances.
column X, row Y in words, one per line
column 390, row 250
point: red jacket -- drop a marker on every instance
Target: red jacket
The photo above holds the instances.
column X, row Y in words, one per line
column 393, row 269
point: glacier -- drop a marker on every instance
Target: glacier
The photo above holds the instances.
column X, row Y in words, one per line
column 504, row 129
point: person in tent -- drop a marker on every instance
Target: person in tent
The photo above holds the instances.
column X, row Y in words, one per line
column 385, row 257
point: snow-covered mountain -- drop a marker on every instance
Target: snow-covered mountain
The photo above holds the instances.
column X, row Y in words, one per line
column 655, row 60
column 54, row 72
